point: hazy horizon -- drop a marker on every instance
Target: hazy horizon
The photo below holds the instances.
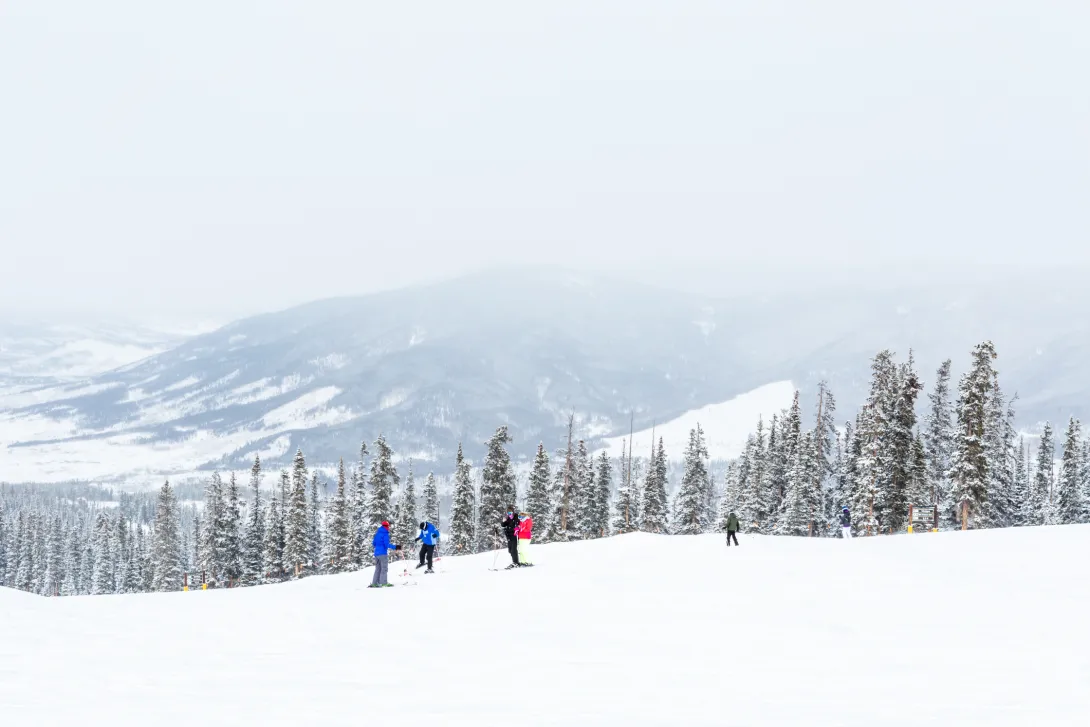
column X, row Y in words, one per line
column 157, row 164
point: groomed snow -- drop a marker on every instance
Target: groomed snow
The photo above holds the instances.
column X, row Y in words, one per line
column 984, row 628
column 726, row 425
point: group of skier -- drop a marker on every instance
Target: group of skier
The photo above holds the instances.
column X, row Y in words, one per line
column 428, row 537
column 845, row 526
column 517, row 528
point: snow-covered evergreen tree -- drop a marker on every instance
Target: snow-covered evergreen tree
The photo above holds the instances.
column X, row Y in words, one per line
column 539, row 491
column 1020, row 486
column 431, row 500
column 210, row 555
column 314, row 524
column 54, row 558
column 384, row 482
column 938, row 439
column 167, row 542
column 406, row 525
column 231, row 543
column 603, row 488
column 461, row 514
column 102, row 577
column 689, row 507
column 1084, row 483
column 253, row 571
column 654, row 517
column 1069, row 488
column 360, row 509
column 273, row 550
column 296, row 525
column 969, row 471
column 497, row 489
column 795, row 519
column 339, row 540
column 1040, row 500
column 73, row 552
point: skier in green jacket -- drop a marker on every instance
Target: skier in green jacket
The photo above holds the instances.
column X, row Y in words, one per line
column 732, row 529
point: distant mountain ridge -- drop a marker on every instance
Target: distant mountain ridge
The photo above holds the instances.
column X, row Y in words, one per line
column 433, row 366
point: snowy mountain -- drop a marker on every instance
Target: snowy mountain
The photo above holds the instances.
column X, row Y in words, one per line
column 435, row 365
column 632, row 630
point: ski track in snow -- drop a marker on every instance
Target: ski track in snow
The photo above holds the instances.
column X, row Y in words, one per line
column 982, row 628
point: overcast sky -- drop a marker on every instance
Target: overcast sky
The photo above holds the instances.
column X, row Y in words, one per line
column 224, row 158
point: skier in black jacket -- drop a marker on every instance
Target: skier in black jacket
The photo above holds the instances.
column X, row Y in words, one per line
column 846, row 523
column 509, row 523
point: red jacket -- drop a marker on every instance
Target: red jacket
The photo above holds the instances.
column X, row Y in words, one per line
column 522, row 532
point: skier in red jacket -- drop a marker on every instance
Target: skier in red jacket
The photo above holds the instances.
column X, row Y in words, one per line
column 523, row 532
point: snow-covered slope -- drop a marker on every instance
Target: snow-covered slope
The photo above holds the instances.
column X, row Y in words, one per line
column 726, row 425
column 983, row 628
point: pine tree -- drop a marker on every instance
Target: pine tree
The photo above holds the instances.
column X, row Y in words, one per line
column 3, row 547
column 653, row 508
column 253, row 571
column 969, row 471
column 825, row 437
column 1040, row 499
column 166, row 542
column 750, row 474
column 273, row 551
column 384, row 482
column 1020, row 489
column 406, row 525
column 1084, row 483
column 581, row 494
column 431, row 500
column 360, row 509
column 919, row 482
column 73, row 552
column 796, row 513
column 102, row 577
column 998, row 445
column 314, row 524
column 690, row 503
column 339, row 540
column 900, row 442
column 119, row 552
column 539, row 491
column 461, row 515
column 603, row 487
column 54, row 559
column 1069, row 489
column 231, row 533
column 497, row 489
column 939, row 438
column 210, row 558
column 296, row 526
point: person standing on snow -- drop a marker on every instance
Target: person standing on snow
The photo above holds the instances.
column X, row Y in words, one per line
column 846, row 523
column 523, row 532
column 732, row 529
column 429, row 538
column 383, row 546
column 510, row 524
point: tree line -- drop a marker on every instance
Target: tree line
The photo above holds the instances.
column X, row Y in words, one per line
column 964, row 459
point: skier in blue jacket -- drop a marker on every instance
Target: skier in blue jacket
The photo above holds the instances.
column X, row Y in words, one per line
column 382, row 546
column 429, row 538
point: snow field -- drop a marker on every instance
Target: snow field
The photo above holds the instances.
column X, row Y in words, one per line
column 982, row 628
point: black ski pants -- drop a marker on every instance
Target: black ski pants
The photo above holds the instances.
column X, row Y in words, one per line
column 426, row 551
column 513, row 549
column 732, row 534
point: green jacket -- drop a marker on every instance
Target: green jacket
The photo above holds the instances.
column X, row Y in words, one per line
column 732, row 524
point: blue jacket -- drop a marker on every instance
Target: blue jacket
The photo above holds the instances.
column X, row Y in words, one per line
column 381, row 542
column 429, row 535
